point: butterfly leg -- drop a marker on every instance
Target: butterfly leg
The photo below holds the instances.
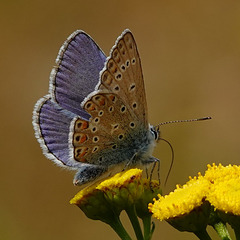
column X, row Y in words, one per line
column 88, row 173
column 154, row 161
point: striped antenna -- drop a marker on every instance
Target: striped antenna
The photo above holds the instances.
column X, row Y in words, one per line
column 188, row 120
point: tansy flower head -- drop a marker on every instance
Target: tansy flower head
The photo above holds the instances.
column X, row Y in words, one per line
column 224, row 195
column 124, row 191
column 216, row 173
column 150, row 190
column 184, row 206
column 93, row 203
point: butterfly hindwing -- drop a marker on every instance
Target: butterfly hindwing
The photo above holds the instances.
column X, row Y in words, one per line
column 108, row 130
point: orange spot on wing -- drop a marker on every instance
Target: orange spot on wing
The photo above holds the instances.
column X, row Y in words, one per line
column 83, row 138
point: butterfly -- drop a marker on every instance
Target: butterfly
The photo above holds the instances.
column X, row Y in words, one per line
column 94, row 119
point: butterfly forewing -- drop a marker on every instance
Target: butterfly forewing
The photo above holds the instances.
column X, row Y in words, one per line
column 122, row 75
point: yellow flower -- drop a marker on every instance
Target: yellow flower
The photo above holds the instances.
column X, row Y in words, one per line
column 93, row 203
column 185, row 208
column 182, row 201
column 150, row 190
column 216, row 173
column 124, row 191
column 224, row 194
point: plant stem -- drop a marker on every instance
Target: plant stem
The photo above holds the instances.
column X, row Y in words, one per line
column 119, row 229
column 147, row 227
column 222, row 231
column 237, row 232
column 131, row 212
column 203, row 235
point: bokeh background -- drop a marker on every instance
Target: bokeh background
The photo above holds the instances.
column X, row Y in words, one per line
column 190, row 53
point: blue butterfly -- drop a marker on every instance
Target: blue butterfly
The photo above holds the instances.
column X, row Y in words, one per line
column 94, row 119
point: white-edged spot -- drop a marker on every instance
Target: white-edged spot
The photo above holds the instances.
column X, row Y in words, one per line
column 123, row 109
column 134, row 105
column 100, row 113
column 120, row 136
column 114, row 146
column 116, row 88
column 111, row 109
column 95, row 148
column 95, row 139
column 118, row 76
column 123, row 67
column 94, row 129
column 115, row 126
column 96, row 120
column 132, row 87
column 132, row 125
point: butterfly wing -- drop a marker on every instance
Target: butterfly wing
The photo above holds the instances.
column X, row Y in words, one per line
column 79, row 62
column 118, row 110
column 92, row 130
column 123, row 76
column 77, row 72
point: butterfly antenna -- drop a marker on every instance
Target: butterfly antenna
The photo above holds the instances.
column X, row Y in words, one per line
column 170, row 168
column 188, row 120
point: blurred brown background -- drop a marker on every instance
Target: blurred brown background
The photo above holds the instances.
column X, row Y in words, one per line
column 190, row 53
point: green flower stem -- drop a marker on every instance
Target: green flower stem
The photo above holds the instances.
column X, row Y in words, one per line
column 237, row 232
column 222, row 231
column 119, row 229
column 131, row 212
column 202, row 235
column 147, row 227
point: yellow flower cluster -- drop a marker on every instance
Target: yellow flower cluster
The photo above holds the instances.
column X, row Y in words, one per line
column 225, row 190
column 183, row 200
column 117, row 193
column 220, row 186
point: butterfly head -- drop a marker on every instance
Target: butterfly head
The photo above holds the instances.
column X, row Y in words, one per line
column 155, row 132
